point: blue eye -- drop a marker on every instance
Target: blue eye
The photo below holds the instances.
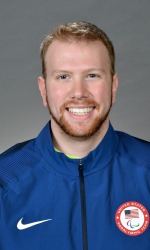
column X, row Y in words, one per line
column 63, row 77
column 92, row 75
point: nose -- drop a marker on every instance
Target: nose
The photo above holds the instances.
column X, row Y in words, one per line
column 79, row 89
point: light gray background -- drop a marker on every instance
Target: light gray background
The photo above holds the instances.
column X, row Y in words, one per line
column 23, row 24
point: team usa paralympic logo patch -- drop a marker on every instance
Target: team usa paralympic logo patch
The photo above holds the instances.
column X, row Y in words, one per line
column 132, row 218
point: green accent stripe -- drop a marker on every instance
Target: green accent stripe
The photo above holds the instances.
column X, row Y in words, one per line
column 69, row 156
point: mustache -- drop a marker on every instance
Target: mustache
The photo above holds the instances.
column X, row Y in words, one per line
column 80, row 102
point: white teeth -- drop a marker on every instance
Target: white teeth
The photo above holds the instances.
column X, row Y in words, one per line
column 80, row 111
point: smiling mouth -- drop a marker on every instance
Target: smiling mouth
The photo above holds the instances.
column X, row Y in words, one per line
column 80, row 111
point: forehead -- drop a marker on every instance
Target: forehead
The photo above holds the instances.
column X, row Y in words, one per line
column 77, row 56
column 75, row 44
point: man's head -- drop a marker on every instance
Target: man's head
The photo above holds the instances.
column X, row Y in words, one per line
column 76, row 32
column 79, row 83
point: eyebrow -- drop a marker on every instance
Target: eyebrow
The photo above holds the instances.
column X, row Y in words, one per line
column 60, row 71
column 84, row 71
column 95, row 69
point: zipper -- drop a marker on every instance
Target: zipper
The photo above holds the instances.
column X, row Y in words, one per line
column 83, row 206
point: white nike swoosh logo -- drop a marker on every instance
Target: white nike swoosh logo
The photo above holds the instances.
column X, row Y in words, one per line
column 22, row 226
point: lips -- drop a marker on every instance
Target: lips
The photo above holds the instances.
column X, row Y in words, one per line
column 80, row 111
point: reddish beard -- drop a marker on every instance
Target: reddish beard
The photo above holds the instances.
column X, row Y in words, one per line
column 80, row 130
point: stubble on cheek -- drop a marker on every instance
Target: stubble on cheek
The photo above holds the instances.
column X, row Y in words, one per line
column 80, row 129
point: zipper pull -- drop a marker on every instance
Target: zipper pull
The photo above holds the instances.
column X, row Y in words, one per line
column 80, row 166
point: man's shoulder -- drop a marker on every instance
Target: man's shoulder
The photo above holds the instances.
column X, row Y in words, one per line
column 136, row 149
column 130, row 140
column 16, row 151
column 15, row 161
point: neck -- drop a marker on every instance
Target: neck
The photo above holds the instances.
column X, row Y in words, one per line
column 79, row 147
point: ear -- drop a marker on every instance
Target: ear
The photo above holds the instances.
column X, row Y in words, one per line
column 114, row 87
column 42, row 89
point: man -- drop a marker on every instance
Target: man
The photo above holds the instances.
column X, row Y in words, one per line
column 79, row 185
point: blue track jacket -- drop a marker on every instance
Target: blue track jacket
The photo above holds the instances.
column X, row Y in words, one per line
column 51, row 202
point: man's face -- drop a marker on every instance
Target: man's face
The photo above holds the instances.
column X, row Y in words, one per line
column 79, row 89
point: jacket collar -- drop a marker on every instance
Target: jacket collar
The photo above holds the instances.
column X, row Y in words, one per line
column 94, row 161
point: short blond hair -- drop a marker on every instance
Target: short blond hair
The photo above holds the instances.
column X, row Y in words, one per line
column 77, row 31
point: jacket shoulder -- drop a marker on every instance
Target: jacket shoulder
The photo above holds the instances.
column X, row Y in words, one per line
column 134, row 148
column 15, row 161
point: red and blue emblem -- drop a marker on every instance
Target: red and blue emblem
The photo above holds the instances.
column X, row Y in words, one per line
column 132, row 218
